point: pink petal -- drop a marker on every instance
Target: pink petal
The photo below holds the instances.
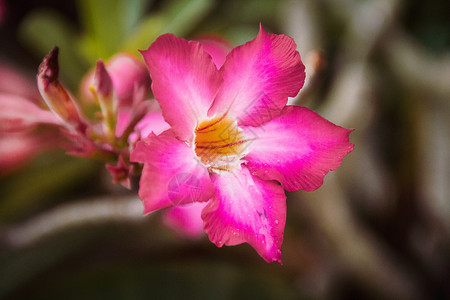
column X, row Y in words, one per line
column 185, row 220
column 259, row 76
column 184, row 81
column 123, row 118
column 246, row 209
column 217, row 47
column 152, row 122
column 298, row 148
column 17, row 114
column 128, row 118
column 172, row 174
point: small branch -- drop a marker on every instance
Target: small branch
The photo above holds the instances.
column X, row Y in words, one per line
column 66, row 216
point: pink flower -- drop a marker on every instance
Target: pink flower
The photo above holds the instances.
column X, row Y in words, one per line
column 233, row 142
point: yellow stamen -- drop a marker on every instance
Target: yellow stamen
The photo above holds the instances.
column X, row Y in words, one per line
column 219, row 143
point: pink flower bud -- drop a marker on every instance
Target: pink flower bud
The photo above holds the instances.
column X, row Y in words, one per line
column 103, row 88
column 121, row 172
column 127, row 74
column 102, row 81
column 55, row 94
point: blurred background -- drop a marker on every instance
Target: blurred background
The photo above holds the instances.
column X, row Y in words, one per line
column 378, row 228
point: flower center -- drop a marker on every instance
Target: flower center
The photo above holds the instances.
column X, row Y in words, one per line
column 219, row 143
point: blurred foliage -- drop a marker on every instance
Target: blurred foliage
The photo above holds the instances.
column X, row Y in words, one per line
column 379, row 226
column 429, row 22
column 106, row 28
column 50, row 176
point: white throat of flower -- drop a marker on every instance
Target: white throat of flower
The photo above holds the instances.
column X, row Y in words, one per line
column 220, row 144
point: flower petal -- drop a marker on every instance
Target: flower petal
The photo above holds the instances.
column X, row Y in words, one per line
column 172, row 174
column 259, row 76
column 184, row 81
column 17, row 114
column 217, row 47
column 152, row 122
column 246, row 209
column 298, row 148
column 186, row 219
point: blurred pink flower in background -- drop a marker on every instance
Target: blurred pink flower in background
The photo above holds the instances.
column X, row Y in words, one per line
column 17, row 149
column 233, row 142
column 20, row 113
column 14, row 82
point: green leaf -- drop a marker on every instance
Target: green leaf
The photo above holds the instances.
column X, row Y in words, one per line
column 107, row 24
column 49, row 175
column 183, row 15
column 179, row 17
column 144, row 35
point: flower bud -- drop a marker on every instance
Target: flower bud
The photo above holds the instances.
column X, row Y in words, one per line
column 55, row 94
column 127, row 74
column 103, row 89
